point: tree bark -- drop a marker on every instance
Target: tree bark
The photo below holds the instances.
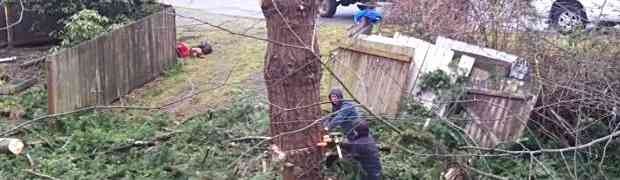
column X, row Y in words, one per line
column 293, row 78
column 10, row 145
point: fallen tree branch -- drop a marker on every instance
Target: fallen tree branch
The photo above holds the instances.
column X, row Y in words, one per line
column 154, row 141
column 486, row 173
column 314, row 123
column 39, row 174
column 139, row 143
column 32, row 62
column 16, row 88
column 561, row 150
column 27, row 123
column 31, row 162
column 250, row 138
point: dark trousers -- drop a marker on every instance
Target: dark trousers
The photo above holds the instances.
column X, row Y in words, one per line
column 376, row 176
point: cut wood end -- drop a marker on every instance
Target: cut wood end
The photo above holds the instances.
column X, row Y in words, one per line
column 16, row 146
column 11, row 145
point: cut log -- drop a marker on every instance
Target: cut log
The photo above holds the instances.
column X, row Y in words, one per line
column 11, row 145
column 7, row 60
column 14, row 89
column 32, row 62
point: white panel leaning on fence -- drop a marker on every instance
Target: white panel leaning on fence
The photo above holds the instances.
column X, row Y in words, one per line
column 455, row 58
column 428, row 58
column 425, row 56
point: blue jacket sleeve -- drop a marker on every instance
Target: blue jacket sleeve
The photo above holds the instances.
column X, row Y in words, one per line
column 343, row 118
column 357, row 16
column 372, row 15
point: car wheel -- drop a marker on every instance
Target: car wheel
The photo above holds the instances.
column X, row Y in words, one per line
column 568, row 17
column 328, row 8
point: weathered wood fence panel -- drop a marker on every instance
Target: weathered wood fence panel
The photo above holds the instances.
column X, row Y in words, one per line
column 500, row 113
column 379, row 71
column 3, row 33
column 100, row 71
column 376, row 73
column 499, row 107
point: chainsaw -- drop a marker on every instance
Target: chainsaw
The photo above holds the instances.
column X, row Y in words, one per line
column 331, row 145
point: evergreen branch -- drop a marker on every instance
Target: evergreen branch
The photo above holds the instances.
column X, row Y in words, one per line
column 560, row 150
column 39, row 174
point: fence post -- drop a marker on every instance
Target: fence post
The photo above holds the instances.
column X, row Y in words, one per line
column 9, row 31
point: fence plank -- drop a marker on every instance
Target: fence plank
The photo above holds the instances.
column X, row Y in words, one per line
column 87, row 61
column 148, row 51
column 146, row 59
column 69, row 79
column 140, row 60
column 171, row 33
column 109, row 73
column 171, row 53
column 114, row 69
column 154, row 47
column 124, row 58
column 101, row 60
column 52, row 87
column 161, row 40
column 63, row 65
column 130, row 37
column 171, row 39
column 3, row 33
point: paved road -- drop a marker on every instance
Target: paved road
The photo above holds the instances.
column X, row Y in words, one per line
column 251, row 8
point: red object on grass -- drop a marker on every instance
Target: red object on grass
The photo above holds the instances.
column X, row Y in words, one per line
column 183, row 50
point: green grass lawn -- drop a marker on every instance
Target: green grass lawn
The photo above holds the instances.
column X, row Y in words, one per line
column 236, row 63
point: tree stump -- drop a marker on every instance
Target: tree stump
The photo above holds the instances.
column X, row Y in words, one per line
column 11, row 145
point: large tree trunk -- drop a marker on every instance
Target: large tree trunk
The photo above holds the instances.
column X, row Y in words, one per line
column 293, row 77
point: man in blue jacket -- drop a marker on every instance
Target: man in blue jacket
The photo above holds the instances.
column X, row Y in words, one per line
column 363, row 149
column 360, row 146
column 345, row 113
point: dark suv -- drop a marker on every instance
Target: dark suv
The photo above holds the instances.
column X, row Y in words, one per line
column 328, row 7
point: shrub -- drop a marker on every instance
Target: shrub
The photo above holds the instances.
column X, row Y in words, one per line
column 117, row 11
column 85, row 25
column 435, row 81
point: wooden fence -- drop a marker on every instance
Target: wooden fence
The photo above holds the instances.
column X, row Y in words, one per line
column 376, row 73
column 499, row 105
column 380, row 71
column 99, row 71
column 3, row 33
column 499, row 111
